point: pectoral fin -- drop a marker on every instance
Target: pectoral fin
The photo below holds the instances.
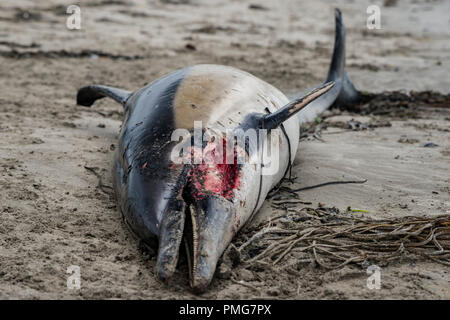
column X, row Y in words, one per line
column 88, row 95
column 273, row 120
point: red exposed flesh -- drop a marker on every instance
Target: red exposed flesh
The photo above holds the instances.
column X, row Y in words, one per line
column 212, row 176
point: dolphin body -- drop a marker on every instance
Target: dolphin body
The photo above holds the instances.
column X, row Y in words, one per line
column 196, row 206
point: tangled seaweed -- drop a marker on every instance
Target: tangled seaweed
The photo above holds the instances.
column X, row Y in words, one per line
column 331, row 239
column 399, row 104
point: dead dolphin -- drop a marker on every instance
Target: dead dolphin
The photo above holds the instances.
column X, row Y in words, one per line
column 206, row 204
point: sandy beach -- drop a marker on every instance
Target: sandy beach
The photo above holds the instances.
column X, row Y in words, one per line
column 54, row 216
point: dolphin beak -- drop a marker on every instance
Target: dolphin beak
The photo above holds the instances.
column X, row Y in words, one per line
column 207, row 227
column 205, row 221
column 211, row 228
column 171, row 234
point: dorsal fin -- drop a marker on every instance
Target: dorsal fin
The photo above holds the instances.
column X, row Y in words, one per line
column 88, row 95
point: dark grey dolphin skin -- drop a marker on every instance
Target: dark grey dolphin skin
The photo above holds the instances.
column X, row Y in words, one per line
column 169, row 202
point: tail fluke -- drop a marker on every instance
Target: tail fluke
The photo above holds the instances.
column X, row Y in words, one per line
column 344, row 91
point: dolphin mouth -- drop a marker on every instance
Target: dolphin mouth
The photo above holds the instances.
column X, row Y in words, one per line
column 190, row 241
column 201, row 219
column 210, row 225
column 203, row 228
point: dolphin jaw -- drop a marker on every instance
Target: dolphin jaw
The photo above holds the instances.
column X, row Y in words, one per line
column 202, row 216
column 213, row 226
